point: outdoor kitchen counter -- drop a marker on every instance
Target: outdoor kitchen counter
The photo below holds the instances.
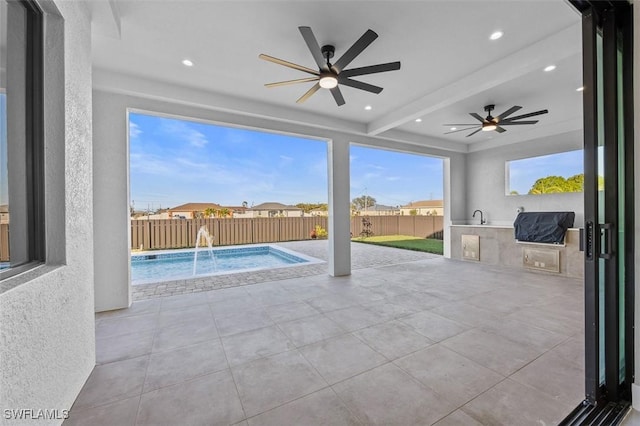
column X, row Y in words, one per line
column 498, row 246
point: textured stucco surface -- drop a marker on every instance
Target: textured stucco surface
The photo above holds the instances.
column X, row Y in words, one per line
column 47, row 336
column 486, row 181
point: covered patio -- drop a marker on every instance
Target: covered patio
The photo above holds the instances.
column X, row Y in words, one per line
column 419, row 339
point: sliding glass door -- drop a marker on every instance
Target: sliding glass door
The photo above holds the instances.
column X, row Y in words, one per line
column 609, row 216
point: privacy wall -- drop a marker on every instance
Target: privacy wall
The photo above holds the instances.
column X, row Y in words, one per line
column 486, row 181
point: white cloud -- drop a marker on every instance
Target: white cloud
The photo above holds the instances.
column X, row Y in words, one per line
column 134, row 130
column 183, row 130
column 393, row 178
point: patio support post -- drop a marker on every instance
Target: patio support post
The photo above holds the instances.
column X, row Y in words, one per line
column 339, row 208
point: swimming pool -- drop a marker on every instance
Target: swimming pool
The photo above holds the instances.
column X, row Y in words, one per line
column 168, row 265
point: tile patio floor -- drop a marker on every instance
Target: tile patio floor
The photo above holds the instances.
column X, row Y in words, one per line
column 426, row 341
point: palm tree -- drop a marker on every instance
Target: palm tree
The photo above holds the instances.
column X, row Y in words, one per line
column 209, row 212
column 224, row 212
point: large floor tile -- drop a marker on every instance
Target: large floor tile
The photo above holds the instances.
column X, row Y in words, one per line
column 140, row 307
column 511, row 403
column 458, row 418
column 341, row 357
column 112, row 382
column 319, row 408
column 183, row 335
column 127, row 346
column 110, row 327
column 229, row 307
column 255, row 344
column 557, row 377
column 178, row 365
column 468, row 314
column 525, row 334
column 330, row 302
column 207, row 400
column 309, row 330
column 183, row 300
column 453, row 376
column 290, row 311
column 388, row 396
column 393, row 339
column 197, row 313
column 492, row 351
column 119, row 413
column 434, row 326
column 388, row 311
column 242, row 321
column 272, row 381
column 354, row 317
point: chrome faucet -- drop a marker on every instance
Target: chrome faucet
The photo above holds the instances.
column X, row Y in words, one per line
column 482, row 221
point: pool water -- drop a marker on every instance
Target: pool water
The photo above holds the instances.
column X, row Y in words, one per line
column 178, row 264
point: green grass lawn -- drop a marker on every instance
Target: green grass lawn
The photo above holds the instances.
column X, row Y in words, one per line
column 404, row 242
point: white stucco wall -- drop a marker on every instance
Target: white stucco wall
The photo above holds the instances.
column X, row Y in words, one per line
column 47, row 336
column 111, row 228
column 486, row 181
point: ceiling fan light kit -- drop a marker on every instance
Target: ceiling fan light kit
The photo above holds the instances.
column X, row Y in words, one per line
column 489, row 123
column 330, row 76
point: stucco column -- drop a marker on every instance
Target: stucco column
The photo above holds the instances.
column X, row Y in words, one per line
column 455, row 196
column 339, row 209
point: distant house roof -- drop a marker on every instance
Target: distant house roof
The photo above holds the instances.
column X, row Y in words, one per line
column 424, row 203
column 195, row 207
column 378, row 208
column 274, row 206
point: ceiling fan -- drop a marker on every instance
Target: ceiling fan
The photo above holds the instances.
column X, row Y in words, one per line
column 496, row 123
column 328, row 75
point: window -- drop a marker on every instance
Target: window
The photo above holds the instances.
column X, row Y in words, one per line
column 546, row 174
column 21, row 137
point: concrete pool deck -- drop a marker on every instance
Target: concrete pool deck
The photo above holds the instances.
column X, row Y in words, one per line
column 362, row 256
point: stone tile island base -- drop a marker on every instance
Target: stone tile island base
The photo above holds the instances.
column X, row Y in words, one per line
column 498, row 246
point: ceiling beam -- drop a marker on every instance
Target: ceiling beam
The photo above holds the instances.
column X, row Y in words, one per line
column 106, row 19
column 552, row 49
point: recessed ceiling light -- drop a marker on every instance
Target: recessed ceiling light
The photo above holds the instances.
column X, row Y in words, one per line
column 368, row 107
column 418, row 120
column 496, row 35
column 580, row 89
column 550, row 68
column 187, row 63
column 454, row 128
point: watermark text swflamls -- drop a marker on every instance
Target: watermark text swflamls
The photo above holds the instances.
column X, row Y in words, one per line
column 35, row 414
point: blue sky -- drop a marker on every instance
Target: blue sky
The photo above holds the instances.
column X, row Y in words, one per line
column 524, row 173
column 175, row 161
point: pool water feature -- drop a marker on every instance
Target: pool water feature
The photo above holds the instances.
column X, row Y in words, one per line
column 169, row 265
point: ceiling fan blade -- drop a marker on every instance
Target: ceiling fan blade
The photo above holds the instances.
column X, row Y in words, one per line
column 508, row 112
column 372, row 69
column 285, row 83
column 308, row 94
column 531, row 114
column 511, row 123
column 360, row 85
column 500, row 129
column 477, row 117
column 473, row 133
column 337, row 95
column 357, row 48
column 461, row 130
column 287, row 64
column 314, row 47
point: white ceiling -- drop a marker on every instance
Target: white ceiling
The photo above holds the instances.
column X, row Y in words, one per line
column 449, row 65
